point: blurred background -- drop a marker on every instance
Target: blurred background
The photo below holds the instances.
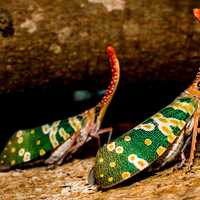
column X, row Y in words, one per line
column 54, row 64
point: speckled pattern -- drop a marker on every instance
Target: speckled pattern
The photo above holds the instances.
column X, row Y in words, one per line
column 140, row 147
column 26, row 145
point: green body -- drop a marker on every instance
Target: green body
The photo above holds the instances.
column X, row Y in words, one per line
column 143, row 145
column 31, row 144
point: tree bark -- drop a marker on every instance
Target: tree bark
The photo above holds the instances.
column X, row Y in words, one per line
column 65, row 41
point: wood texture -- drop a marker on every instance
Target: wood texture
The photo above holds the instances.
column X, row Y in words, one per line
column 69, row 182
column 64, row 41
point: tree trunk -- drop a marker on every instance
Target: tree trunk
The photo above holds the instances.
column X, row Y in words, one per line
column 64, row 42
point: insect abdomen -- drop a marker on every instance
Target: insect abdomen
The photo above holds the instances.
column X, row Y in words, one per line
column 140, row 147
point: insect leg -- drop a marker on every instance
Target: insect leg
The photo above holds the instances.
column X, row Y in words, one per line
column 194, row 138
column 60, row 153
column 182, row 153
column 100, row 132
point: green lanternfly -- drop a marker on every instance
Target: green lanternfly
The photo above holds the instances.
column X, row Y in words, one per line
column 153, row 143
column 52, row 143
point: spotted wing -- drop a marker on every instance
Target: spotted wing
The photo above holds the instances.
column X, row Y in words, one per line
column 140, row 147
column 31, row 144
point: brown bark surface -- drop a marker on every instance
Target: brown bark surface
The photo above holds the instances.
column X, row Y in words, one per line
column 65, row 41
column 70, row 182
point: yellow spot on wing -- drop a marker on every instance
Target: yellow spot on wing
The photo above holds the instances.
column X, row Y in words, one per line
column 176, row 122
column 64, row 134
column 160, row 150
column 13, row 150
column 111, row 146
column 147, row 142
column 165, row 130
column 146, row 127
column 52, row 137
column 56, row 123
column 112, row 164
column 20, row 140
column 21, row 152
column 110, row 179
column 171, row 138
column 186, row 107
column 125, row 175
column 163, row 120
column 127, row 138
column 139, row 163
column 27, row 156
column 101, row 160
column 101, row 175
column 38, row 142
column 119, row 149
column 12, row 162
column 75, row 123
column 131, row 158
column 45, row 129
column 19, row 133
column 158, row 115
column 42, row 152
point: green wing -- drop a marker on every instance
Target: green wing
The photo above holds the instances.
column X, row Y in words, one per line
column 31, row 144
column 140, row 147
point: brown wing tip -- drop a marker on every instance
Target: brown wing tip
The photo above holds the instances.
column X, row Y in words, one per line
column 196, row 13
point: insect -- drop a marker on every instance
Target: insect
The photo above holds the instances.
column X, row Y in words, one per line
column 59, row 140
column 153, row 143
column 6, row 23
